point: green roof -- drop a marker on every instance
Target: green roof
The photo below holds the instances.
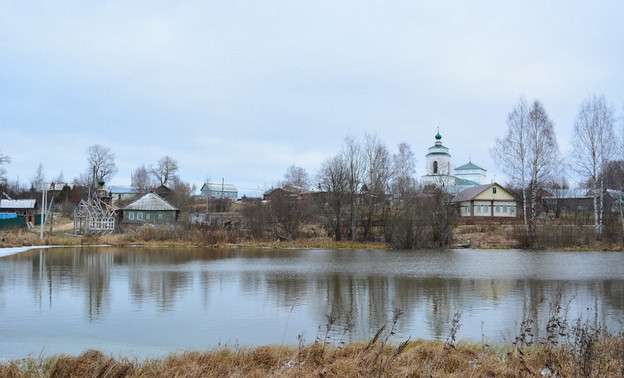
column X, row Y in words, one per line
column 470, row 165
column 438, row 153
column 464, row 182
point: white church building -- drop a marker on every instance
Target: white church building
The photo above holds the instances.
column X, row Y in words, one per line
column 438, row 170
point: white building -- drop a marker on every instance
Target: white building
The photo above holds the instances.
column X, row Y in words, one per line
column 438, row 162
column 471, row 172
column 438, row 165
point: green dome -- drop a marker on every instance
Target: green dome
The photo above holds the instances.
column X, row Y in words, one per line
column 101, row 182
column 438, row 136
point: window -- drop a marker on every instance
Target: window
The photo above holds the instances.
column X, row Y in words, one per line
column 498, row 208
column 494, row 190
column 512, row 209
column 466, row 209
column 131, row 215
column 139, row 216
column 487, row 208
column 478, row 208
column 435, row 167
column 160, row 216
column 505, row 208
column 168, row 216
column 148, row 216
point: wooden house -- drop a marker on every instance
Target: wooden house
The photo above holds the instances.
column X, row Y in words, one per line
column 489, row 200
column 23, row 207
column 218, row 191
column 150, row 208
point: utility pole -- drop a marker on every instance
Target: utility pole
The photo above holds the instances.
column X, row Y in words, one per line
column 44, row 199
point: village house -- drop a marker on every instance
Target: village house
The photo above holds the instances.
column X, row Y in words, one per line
column 122, row 193
column 218, row 191
column 489, row 200
column 286, row 190
column 574, row 202
column 22, row 207
column 150, row 208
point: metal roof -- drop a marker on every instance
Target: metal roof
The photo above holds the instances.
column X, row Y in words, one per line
column 219, row 187
column 18, row 204
column 151, row 201
column 123, row 189
column 469, row 165
column 470, row 193
column 464, row 182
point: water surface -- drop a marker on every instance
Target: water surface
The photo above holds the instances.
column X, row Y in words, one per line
column 151, row 301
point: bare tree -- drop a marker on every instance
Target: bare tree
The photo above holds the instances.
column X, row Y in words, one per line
column 3, row 159
column 39, row 179
column 593, row 147
column 296, row 176
column 528, row 153
column 354, row 162
column 402, row 189
column 377, row 175
column 166, row 169
column 182, row 194
column 510, row 153
column 289, row 214
column 543, row 155
column 101, row 163
column 332, row 179
column 142, row 180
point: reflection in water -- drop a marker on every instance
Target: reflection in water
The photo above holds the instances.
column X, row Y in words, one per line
column 154, row 300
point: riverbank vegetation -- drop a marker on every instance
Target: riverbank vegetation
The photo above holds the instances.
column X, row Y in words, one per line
column 551, row 235
column 567, row 350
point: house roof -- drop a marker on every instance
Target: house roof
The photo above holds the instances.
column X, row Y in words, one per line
column 469, row 165
column 470, row 193
column 217, row 187
column 123, row 189
column 18, row 204
column 463, row 182
column 151, row 201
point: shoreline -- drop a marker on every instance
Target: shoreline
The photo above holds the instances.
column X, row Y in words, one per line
column 602, row 356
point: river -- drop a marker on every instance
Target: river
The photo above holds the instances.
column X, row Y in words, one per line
column 152, row 301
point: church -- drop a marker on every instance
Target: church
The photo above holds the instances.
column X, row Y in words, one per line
column 438, row 162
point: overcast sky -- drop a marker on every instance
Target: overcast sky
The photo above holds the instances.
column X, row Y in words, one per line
column 243, row 89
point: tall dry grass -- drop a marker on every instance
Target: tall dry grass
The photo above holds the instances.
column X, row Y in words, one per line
column 569, row 349
column 413, row 358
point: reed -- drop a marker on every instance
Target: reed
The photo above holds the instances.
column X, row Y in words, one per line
column 569, row 349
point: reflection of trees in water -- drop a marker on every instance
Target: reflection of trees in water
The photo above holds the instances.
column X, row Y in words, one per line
column 157, row 275
column 47, row 271
column 369, row 301
column 161, row 286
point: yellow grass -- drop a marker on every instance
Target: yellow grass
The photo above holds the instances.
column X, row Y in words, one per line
column 416, row 358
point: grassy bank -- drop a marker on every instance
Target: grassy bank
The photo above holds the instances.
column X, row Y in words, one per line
column 486, row 236
column 602, row 357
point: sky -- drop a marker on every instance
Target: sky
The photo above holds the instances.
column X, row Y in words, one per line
column 241, row 90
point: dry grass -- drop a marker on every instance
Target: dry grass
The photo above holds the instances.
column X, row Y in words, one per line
column 415, row 358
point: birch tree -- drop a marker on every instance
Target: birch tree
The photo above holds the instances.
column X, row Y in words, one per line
column 592, row 148
column 39, row 179
column 510, row 153
column 528, row 154
column 543, row 155
column 377, row 175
